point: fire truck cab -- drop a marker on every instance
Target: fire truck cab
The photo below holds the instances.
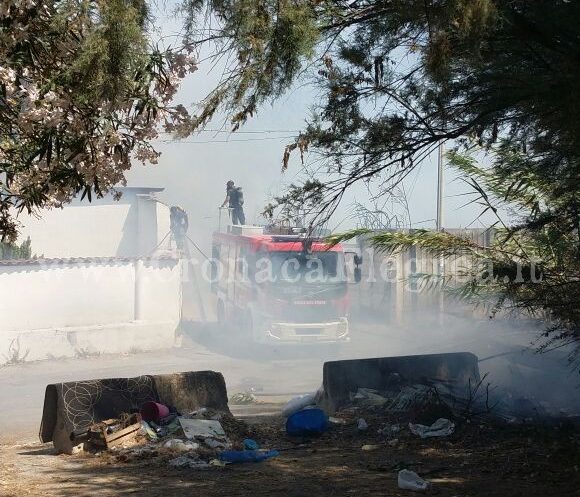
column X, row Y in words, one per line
column 283, row 288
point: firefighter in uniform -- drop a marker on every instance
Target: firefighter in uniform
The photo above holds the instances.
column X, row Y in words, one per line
column 235, row 200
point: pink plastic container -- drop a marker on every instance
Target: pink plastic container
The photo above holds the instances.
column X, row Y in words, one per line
column 153, row 411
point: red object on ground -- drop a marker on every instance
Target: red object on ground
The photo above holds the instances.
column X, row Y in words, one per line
column 153, row 411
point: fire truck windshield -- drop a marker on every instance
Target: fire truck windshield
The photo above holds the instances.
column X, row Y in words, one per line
column 316, row 267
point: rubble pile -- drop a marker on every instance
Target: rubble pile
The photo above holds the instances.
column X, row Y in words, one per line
column 202, row 439
column 413, row 403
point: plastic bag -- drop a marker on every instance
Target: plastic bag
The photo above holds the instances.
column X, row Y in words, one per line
column 409, row 480
column 237, row 456
column 298, row 403
column 441, row 428
column 179, row 445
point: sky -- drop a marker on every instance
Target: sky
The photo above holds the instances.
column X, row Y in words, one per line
column 194, row 171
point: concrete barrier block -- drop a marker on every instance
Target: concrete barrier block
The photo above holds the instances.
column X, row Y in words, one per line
column 340, row 378
column 74, row 406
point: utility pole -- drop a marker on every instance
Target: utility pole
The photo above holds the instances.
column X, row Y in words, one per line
column 441, row 268
column 440, row 186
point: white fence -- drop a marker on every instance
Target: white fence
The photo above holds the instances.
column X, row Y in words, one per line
column 393, row 290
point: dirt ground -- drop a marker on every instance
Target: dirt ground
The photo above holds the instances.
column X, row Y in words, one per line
column 479, row 459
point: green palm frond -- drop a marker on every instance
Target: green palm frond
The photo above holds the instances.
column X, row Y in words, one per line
column 436, row 243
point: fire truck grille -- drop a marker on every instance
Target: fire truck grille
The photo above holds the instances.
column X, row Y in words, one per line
column 306, row 313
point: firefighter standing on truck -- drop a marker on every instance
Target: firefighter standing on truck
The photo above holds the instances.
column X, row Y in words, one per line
column 235, row 200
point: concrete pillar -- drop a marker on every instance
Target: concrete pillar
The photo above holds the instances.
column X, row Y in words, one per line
column 146, row 225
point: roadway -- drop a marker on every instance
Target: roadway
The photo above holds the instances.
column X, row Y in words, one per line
column 277, row 372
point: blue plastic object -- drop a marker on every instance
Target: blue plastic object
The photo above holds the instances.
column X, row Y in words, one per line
column 250, row 444
column 308, row 422
column 237, row 456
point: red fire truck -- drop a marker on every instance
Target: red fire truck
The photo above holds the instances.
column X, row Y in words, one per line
column 281, row 287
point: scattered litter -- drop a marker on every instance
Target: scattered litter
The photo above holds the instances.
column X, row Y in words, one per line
column 369, row 447
column 298, row 403
column 362, row 425
column 169, row 419
column 337, row 421
column 239, row 456
column 409, row 480
column 180, row 462
column 398, row 399
column 112, row 432
column 198, row 414
column 201, row 428
column 205, row 413
column 154, row 411
column 369, row 397
column 411, row 396
column 393, row 442
column 243, row 398
column 389, row 429
column 172, row 426
column 148, row 431
column 146, row 452
column 160, row 431
column 250, row 444
column 188, row 462
column 212, row 443
column 440, row 428
column 309, row 422
column 180, row 445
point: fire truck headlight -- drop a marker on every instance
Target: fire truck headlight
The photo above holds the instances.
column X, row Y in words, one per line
column 342, row 328
column 275, row 329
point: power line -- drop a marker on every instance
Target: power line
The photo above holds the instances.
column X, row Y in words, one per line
column 230, row 141
column 249, row 132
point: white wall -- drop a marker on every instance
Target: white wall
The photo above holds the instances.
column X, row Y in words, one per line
column 74, row 307
column 158, row 289
column 132, row 227
column 82, row 231
column 53, row 294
